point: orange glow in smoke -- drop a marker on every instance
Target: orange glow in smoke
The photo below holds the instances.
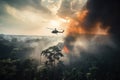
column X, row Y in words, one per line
column 75, row 25
column 65, row 49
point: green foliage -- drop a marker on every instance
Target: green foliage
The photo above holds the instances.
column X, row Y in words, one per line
column 7, row 68
column 98, row 66
column 52, row 54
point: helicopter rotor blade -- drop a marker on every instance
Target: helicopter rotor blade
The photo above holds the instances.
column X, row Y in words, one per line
column 61, row 31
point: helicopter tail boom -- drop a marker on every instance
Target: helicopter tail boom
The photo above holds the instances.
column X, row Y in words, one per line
column 61, row 31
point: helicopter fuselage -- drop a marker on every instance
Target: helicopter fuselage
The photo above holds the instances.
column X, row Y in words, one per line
column 56, row 31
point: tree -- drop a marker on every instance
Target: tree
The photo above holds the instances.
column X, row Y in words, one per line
column 52, row 54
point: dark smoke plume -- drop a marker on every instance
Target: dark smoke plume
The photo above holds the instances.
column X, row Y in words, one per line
column 105, row 11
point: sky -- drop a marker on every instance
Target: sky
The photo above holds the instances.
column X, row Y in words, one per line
column 34, row 17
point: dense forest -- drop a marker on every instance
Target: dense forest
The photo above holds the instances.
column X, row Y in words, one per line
column 16, row 65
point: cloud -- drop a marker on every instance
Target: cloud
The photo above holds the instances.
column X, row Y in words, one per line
column 14, row 8
column 19, row 4
column 24, row 17
column 70, row 7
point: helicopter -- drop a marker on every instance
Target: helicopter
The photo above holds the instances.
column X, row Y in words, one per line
column 55, row 31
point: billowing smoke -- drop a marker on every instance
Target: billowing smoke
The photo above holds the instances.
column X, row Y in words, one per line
column 88, row 28
column 105, row 11
column 42, row 44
